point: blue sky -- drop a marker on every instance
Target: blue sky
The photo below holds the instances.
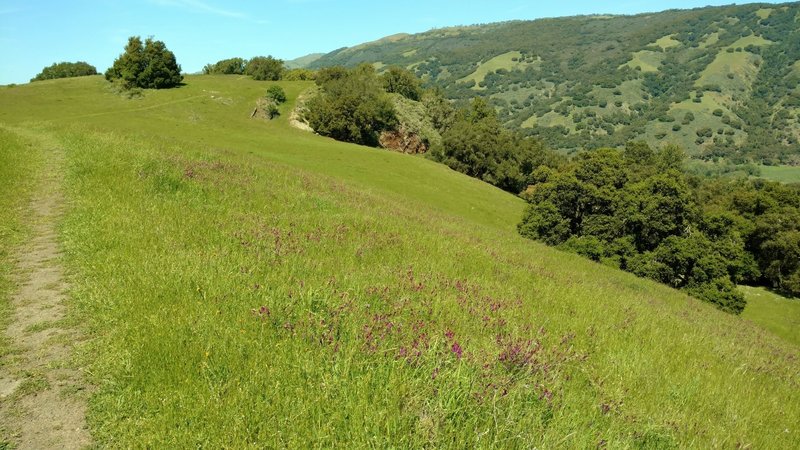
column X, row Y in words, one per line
column 35, row 33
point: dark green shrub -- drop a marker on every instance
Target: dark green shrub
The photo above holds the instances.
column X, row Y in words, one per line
column 276, row 94
column 231, row 66
column 398, row 80
column 65, row 70
column 148, row 66
column 264, row 68
column 351, row 107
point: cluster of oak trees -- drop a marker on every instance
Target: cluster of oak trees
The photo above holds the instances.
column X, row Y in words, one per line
column 637, row 210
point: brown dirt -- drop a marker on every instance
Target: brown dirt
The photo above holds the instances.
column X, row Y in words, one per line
column 296, row 117
column 42, row 394
column 261, row 111
column 403, row 141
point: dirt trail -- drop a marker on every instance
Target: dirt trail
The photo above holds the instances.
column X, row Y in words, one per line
column 42, row 395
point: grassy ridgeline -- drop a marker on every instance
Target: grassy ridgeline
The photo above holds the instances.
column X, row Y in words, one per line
column 248, row 285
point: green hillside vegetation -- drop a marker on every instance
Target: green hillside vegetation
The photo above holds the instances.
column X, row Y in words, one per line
column 765, row 307
column 570, row 81
column 637, row 210
column 505, row 62
column 303, row 61
column 781, row 173
column 244, row 284
column 645, row 61
column 65, row 70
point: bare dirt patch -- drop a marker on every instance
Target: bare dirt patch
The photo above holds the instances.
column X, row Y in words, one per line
column 42, row 394
column 297, row 116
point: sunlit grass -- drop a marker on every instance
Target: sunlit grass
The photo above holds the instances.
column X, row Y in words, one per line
column 775, row 313
column 246, row 285
column 784, row 174
column 19, row 161
column 507, row 61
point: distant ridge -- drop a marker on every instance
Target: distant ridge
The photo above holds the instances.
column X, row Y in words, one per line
column 303, row 61
column 719, row 81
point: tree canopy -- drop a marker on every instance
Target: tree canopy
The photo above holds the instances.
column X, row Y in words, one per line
column 401, row 81
column 475, row 143
column 351, row 106
column 636, row 210
column 148, row 65
column 265, row 68
column 230, row 66
column 65, row 70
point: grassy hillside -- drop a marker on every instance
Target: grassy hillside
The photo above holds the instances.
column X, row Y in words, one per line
column 248, row 285
column 775, row 313
column 303, row 61
column 593, row 81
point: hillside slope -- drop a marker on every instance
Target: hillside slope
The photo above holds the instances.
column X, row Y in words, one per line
column 721, row 81
column 248, row 285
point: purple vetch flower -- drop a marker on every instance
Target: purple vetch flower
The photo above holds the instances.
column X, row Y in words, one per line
column 262, row 312
column 449, row 334
column 457, row 350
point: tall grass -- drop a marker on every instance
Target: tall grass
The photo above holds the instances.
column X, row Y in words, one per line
column 243, row 303
column 246, row 285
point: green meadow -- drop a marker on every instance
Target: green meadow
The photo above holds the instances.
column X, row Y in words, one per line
column 784, row 174
column 243, row 284
column 776, row 313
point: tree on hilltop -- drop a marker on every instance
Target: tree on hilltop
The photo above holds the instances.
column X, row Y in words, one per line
column 65, row 70
column 150, row 65
column 230, row 66
column 265, row 68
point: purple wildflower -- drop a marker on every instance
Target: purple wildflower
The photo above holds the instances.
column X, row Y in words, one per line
column 457, row 350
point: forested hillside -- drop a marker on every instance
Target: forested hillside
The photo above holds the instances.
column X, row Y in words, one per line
column 719, row 81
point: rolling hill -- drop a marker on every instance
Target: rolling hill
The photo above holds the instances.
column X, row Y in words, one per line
column 244, row 284
column 720, row 81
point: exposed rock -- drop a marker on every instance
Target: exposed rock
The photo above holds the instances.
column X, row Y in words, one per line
column 297, row 117
column 265, row 109
column 403, row 141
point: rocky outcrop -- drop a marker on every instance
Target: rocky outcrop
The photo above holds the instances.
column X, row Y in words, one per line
column 297, row 117
column 403, row 140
